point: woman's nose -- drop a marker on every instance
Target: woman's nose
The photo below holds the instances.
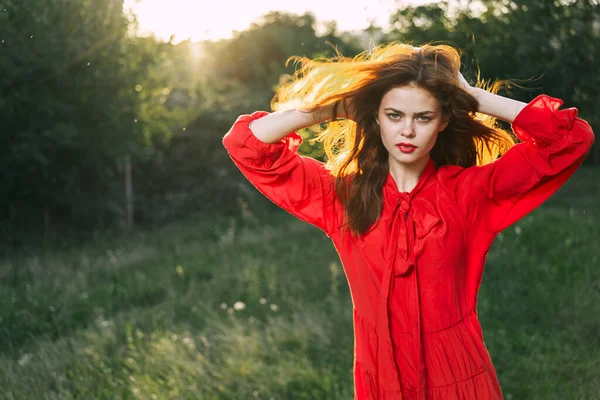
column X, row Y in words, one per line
column 407, row 128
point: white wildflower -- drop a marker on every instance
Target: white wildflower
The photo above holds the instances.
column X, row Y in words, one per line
column 25, row 358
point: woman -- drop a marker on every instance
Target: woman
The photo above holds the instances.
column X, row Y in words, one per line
column 413, row 194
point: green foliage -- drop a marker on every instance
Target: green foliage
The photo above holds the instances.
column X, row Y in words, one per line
column 250, row 65
column 67, row 109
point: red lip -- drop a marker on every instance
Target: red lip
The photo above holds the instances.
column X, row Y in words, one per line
column 406, row 147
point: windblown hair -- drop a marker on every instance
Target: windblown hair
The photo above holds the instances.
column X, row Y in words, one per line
column 355, row 153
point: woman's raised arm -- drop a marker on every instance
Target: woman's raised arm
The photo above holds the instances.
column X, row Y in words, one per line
column 499, row 107
column 275, row 126
column 264, row 147
column 554, row 144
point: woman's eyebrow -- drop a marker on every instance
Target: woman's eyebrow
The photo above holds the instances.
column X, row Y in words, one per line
column 401, row 112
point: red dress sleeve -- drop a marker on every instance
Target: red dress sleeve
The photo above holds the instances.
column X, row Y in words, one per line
column 498, row 194
column 300, row 185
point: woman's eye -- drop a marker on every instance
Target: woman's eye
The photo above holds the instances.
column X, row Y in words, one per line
column 425, row 119
column 393, row 116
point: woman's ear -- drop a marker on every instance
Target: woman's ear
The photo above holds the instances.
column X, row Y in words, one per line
column 444, row 125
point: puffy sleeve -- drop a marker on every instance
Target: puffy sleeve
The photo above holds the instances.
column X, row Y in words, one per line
column 300, row 185
column 554, row 144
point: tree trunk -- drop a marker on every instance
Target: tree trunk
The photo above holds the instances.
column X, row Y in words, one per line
column 128, row 193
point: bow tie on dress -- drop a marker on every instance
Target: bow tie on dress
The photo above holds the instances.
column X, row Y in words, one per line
column 399, row 267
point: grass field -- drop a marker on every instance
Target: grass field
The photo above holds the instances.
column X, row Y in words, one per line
column 248, row 309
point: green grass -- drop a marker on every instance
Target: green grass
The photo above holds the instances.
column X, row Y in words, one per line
column 150, row 315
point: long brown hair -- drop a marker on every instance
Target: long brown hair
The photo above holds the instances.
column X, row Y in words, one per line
column 355, row 153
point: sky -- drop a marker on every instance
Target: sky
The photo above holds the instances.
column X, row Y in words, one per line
column 216, row 19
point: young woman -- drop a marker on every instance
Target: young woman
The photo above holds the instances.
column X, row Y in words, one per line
column 416, row 187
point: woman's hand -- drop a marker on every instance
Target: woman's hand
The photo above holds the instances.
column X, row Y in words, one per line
column 325, row 113
column 492, row 104
column 473, row 91
column 345, row 107
column 464, row 85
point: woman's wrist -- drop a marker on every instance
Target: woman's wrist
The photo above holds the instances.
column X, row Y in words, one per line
column 476, row 92
column 325, row 113
column 321, row 114
column 275, row 126
column 497, row 106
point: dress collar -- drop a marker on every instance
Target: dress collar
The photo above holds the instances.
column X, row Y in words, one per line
column 391, row 189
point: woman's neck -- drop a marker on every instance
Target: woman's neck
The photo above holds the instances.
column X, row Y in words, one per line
column 406, row 176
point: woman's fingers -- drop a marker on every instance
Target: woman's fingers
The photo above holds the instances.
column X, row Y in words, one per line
column 463, row 84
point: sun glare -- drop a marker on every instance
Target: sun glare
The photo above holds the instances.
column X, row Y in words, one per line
column 209, row 20
column 182, row 18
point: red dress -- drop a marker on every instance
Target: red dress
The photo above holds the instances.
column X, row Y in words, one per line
column 415, row 276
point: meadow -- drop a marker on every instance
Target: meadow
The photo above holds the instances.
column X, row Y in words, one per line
column 258, row 307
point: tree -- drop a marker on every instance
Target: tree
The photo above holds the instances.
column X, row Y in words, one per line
column 68, row 109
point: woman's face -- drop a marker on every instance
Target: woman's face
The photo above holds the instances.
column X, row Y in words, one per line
column 413, row 116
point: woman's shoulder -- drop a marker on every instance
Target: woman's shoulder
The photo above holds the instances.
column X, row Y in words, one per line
column 449, row 172
column 453, row 178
